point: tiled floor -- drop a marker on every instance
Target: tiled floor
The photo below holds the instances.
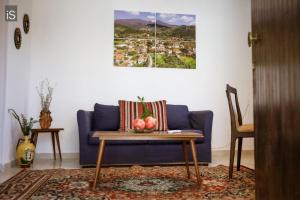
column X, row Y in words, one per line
column 219, row 157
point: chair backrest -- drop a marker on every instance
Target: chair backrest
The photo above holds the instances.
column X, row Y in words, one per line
column 235, row 116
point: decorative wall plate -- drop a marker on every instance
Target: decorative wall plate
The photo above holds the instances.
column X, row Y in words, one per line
column 26, row 23
column 18, row 38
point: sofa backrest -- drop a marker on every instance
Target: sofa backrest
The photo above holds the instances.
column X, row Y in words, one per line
column 107, row 117
column 178, row 117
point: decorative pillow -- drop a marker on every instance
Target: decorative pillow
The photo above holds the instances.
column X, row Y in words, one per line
column 106, row 118
column 130, row 110
column 178, row 117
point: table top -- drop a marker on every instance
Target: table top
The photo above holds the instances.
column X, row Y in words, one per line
column 46, row 130
column 156, row 135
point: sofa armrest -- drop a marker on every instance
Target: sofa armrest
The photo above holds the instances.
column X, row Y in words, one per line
column 202, row 120
column 84, row 120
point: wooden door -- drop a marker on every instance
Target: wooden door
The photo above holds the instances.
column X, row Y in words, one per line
column 276, row 60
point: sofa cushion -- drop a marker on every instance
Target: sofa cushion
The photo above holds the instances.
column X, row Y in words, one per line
column 200, row 140
column 130, row 110
column 178, row 117
column 106, row 118
column 95, row 141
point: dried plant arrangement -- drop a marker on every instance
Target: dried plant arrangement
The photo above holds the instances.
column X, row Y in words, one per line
column 45, row 92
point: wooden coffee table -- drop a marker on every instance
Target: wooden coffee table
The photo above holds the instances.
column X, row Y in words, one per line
column 185, row 137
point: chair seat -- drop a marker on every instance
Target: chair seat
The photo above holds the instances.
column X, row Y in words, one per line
column 246, row 128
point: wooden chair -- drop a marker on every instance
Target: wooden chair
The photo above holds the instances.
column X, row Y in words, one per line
column 238, row 129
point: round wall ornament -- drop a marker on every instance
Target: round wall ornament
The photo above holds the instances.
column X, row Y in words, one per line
column 26, row 23
column 18, row 38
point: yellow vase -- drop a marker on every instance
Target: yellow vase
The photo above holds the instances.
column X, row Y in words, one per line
column 25, row 152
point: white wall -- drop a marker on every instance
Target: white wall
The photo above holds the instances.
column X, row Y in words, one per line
column 3, row 40
column 72, row 45
column 16, row 80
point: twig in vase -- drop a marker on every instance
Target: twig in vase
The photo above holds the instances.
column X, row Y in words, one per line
column 45, row 92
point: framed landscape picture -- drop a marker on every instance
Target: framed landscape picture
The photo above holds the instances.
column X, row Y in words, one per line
column 148, row 39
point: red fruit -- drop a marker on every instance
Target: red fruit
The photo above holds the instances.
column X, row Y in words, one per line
column 150, row 122
column 139, row 124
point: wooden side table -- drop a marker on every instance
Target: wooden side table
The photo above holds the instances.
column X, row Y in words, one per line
column 54, row 134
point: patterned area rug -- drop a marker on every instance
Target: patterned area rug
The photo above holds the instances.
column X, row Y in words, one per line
column 134, row 182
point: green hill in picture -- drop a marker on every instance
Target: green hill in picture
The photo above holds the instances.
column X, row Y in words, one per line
column 183, row 33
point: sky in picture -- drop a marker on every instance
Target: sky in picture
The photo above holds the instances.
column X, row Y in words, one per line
column 177, row 19
column 121, row 14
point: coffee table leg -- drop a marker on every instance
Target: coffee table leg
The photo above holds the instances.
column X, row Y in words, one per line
column 103, row 151
column 186, row 158
column 53, row 144
column 194, row 153
column 99, row 160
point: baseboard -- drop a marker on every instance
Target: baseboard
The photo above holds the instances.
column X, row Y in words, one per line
column 8, row 165
column 227, row 150
column 50, row 155
column 13, row 163
column 76, row 155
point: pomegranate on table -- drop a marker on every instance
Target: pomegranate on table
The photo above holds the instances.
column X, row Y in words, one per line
column 139, row 124
column 150, row 122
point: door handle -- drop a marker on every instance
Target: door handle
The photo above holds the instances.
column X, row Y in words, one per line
column 252, row 38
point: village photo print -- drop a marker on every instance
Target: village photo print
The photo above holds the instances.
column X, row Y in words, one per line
column 149, row 39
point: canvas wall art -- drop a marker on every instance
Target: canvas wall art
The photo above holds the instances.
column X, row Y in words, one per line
column 149, row 39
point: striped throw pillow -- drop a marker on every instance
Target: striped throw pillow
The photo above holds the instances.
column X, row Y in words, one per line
column 130, row 110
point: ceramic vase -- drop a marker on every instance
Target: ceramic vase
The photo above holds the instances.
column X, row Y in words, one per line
column 25, row 152
column 45, row 119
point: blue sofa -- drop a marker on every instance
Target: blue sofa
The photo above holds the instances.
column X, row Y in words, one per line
column 142, row 152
